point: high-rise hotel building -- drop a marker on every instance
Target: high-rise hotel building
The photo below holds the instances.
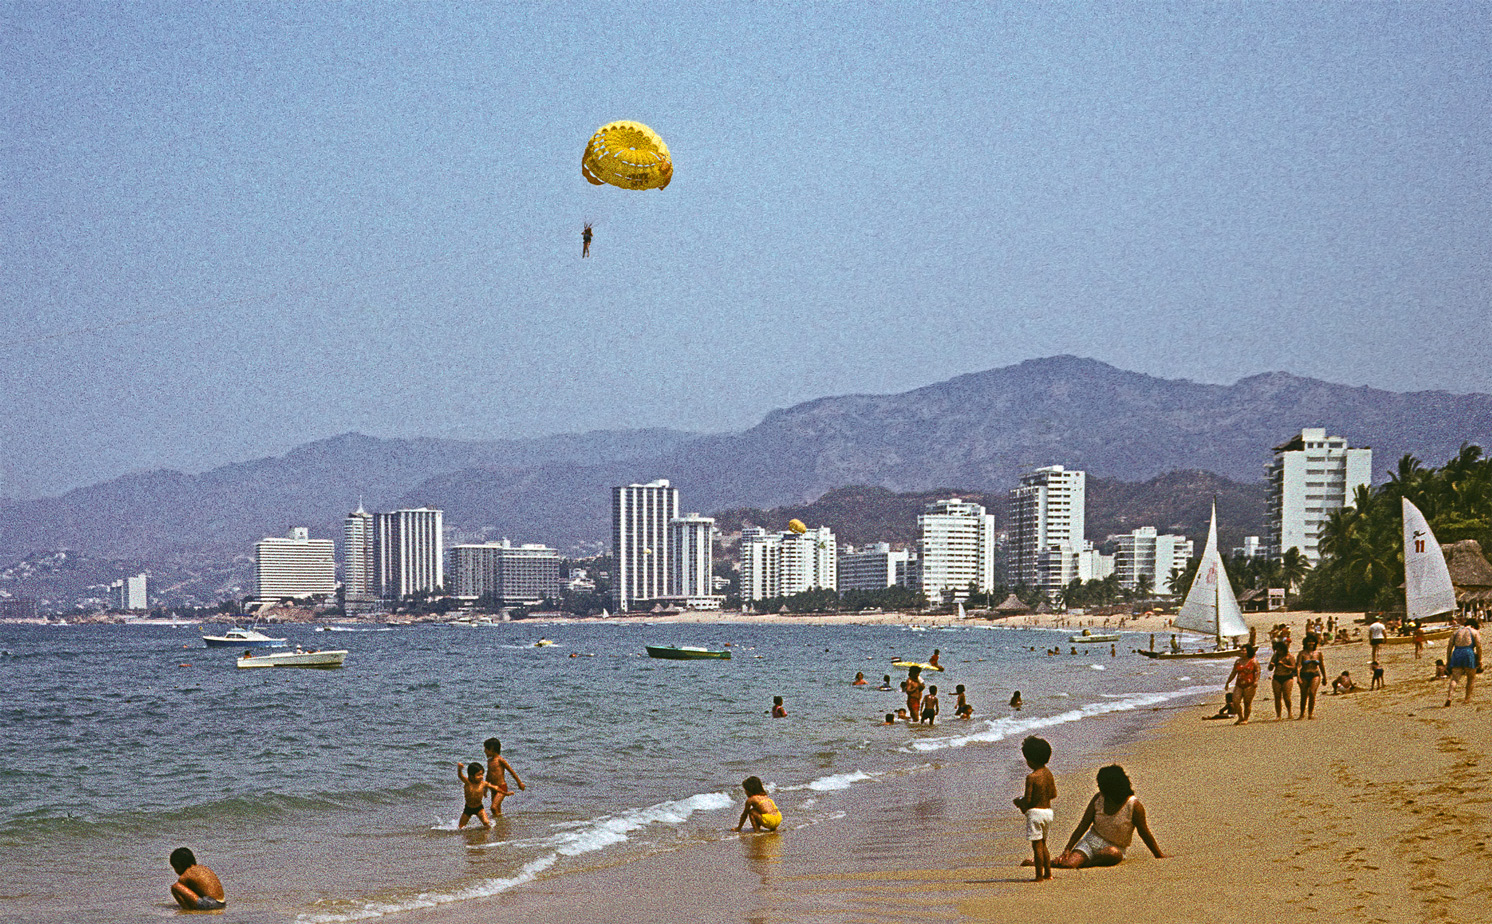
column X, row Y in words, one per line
column 691, row 542
column 359, row 592
column 640, row 542
column 408, row 552
column 787, row 563
column 1311, row 476
column 1046, row 523
column 956, row 545
column 510, row 574
column 294, row 567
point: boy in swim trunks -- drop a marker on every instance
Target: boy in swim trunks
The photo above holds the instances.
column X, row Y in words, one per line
column 930, row 705
column 760, row 808
column 474, row 787
column 1036, row 802
column 497, row 765
column 196, row 888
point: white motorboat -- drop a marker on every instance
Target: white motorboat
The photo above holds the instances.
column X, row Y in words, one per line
column 295, row 658
column 242, row 638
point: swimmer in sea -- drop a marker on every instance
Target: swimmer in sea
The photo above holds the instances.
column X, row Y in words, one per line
column 779, row 711
column 1015, row 700
column 759, row 809
column 885, row 682
column 860, row 680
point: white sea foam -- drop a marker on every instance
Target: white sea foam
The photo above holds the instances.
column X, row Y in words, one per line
column 484, row 889
column 1098, row 667
column 831, row 783
column 1002, row 728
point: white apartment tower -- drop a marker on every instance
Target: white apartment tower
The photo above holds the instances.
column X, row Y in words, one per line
column 786, row 563
column 875, row 568
column 408, row 552
column 294, row 567
column 956, row 544
column 129, row 594
column 359, row 593
column 1046, row 513
column 640, row 518
column 691, row 541
column 1311, row 476
column 1144, row 552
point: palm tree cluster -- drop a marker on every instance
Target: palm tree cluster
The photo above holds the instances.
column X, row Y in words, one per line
column 1362, row 546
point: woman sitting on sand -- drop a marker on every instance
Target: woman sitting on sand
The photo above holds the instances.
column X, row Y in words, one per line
column 1108, row 825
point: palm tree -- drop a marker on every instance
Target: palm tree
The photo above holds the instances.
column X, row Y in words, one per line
column 1293, row 569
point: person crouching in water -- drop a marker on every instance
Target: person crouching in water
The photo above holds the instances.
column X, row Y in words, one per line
column 1108, row 824
column 197, row 888
column 759, row 809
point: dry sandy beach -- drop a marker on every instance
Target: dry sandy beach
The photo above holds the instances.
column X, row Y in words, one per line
column 1376, row 810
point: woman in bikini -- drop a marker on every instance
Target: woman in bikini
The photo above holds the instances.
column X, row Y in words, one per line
column 1282, row 667
column 913, row 687
column 1312, row 668
column 1246, row 670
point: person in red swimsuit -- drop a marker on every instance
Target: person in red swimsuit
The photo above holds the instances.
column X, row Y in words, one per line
column 1246, row 671
column 913, row 687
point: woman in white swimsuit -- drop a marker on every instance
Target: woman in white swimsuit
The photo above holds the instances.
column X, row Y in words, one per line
column 1108, row 825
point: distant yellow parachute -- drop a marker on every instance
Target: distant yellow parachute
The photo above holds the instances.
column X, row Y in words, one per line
column 629, row 155
column 797, row 526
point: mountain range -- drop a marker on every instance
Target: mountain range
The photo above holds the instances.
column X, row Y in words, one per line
column 973, row 433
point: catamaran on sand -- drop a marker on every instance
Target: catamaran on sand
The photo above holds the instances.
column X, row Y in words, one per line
column 1210, row 608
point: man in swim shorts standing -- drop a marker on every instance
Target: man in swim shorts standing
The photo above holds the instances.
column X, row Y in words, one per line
column 1465, row 646
column 196, row 888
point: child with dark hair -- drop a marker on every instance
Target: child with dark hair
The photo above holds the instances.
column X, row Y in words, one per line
column 962, row 709
column 474, row 787
column 196, row 888
column 1036, row 802
column 497, row 767
column 1109, row 824
column 930, row 705
column 759, row 809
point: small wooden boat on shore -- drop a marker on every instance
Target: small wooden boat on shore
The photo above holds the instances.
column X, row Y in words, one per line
column 686, row 653
column 321, row 659
column 1430, row 636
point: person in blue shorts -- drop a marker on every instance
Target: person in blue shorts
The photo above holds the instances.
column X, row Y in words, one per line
column 1465, row 646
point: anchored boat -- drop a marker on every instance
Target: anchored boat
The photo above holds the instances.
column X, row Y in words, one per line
column 686, row 653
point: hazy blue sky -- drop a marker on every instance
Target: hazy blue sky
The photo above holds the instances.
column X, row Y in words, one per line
column 367, row 216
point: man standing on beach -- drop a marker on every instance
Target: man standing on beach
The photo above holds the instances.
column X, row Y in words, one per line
column 197, row 888
column 1376, row 633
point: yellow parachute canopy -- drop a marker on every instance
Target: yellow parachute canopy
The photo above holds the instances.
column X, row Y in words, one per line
column 629, row 155
column 797, row 526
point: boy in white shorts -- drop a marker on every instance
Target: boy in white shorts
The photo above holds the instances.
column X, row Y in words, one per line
column 1036, row 802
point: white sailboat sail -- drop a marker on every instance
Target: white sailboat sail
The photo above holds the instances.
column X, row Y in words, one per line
column 1210, row 606
column 1427, row 580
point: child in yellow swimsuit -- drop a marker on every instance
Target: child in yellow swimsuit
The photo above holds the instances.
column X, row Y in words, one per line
column 760, row 809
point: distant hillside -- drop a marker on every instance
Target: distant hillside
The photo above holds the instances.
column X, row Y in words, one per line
column 976, row 431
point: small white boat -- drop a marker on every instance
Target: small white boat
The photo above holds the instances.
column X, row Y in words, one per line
column 242, row 638
column 294, row 659
column 1087, row 636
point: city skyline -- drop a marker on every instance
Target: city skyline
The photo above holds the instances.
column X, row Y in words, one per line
column 208, row 262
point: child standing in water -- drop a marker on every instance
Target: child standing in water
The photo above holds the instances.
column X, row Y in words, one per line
column 474, row 787
column 759, row 809
column 497, row 765
column 930, row 705
column 1036, row 802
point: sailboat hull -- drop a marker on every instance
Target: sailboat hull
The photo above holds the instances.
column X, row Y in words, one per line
column 1182, row 655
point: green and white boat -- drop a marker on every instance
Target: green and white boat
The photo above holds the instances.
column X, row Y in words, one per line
column 686, row 653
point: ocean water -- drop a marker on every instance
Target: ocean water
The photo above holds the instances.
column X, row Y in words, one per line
column 329, row 796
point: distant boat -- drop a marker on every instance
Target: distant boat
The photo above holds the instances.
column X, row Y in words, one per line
column 1210, row 607
column 323, row 659
column 1087, row 636
column 686, row 653
column 242, row 638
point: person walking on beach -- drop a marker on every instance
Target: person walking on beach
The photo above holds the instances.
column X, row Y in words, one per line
column 1108, row 824
column 1312, row 668
column 196, row 888
column 930, row 705
column 1282, row 677
column 1036, row 802
column 1377, row 631
column 497, row 767
column 1246, row 670
column 760, row 810
column 1465, row 646
column 1419, row 639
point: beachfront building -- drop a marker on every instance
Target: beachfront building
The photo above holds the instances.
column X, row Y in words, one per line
column 408, row 553
column 359, row 594
column 294, row 567
column 956, row 547
column 1312, row 475
column 129, row 594
column 1046, row 523
column 507, row 574
column 876, row 567
column 691, row 543
column 787, row 563
column 1147, row 553
column 640, row 518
